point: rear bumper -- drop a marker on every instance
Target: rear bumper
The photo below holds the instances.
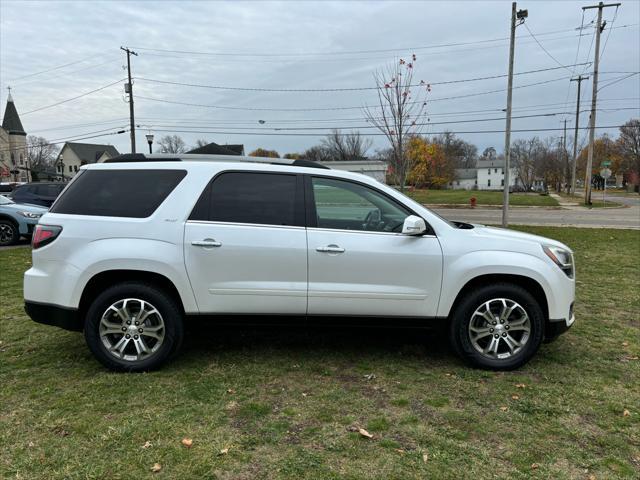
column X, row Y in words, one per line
column 54, row 315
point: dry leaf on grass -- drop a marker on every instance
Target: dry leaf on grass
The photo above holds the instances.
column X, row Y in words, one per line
column 534, row 466
column 187, row 442
column 515, row 397
column 156, row 468
column 370, row 376
column 625, row 344
column 364, row 433
column 425, row 457
column 224, row 451
column 520, row 385
column 147, row 444
column 231, row 390
column 504, row 409
column 626, row 413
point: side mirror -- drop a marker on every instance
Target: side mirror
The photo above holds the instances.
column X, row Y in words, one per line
column 413, row 225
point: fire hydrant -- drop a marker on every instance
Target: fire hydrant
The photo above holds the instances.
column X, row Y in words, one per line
column 473, row 201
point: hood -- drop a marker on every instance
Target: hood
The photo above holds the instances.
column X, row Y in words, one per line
column 505, row 234
column 21, row 207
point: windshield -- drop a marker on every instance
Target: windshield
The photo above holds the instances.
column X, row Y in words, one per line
column 5, row 201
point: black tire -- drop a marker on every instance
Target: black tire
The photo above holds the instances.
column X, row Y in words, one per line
column 163, row 303
column 462, row 316
column 9, row 234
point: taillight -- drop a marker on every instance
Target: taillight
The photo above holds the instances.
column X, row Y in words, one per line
column 44, row 235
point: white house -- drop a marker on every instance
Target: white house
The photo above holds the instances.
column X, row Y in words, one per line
column 466, row 179
column 490, row 175
column 372, row 168
column 74, row 155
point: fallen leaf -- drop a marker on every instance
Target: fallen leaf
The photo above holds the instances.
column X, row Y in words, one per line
column 364, row 433
column 515, row 397
column 625, row 344
column 534, row 466
column 31, row 445
column 231, row 390
column 147, row 444
column 231, row 405
column 425, row 457
column 224, row 451
column 370, row 376
column 304, row 394
column 626, row 413
column 399, row 450
column 520, row 385
column 187, row 442
column 504, row 409
column 592, row 477
column 156, row 468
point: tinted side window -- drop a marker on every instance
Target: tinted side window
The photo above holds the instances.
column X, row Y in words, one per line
column 345, row 205
column 244, row 197
column 118, row 193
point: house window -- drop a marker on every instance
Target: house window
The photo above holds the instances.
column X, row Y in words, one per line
column 13, row 159
column 495, row 170
column 75, row 168
column 502, row 182
column 475, row 182
column 489, row 183
column 489, row 172
column 458, row 182
column 21, row 159
column 502, row 171
column 70, row 168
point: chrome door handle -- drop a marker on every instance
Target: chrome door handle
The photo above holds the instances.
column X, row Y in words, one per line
column 207, row 242
column 330, row 249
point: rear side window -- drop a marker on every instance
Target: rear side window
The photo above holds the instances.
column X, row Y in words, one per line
column 118, row 193
column 244, row 197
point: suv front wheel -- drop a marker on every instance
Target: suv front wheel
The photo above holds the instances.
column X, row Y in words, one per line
column 133, row 327
column 498, row 326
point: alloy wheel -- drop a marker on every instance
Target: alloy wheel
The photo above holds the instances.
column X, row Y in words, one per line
column 499, row 328
column 132, row 329
column 6, row 233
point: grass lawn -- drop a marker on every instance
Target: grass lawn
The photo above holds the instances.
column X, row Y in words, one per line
column 483, row 197
column 283, row 402
column 596, row 200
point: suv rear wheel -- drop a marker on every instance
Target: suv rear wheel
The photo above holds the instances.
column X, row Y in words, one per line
column 498, row 326
column 133, row 327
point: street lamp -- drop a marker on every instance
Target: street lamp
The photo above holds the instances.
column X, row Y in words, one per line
column 61, row 165
column 149, row 140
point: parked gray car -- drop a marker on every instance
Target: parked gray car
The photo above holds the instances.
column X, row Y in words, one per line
column 17, row 220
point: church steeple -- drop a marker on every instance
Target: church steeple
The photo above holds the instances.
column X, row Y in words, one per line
column 11, row 122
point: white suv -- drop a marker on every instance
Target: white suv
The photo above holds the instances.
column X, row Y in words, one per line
column 134, row 248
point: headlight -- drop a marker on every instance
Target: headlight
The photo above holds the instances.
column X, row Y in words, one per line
column 30, row 214
column 560, row 257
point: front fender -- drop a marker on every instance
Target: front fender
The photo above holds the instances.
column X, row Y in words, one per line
column 460, row 270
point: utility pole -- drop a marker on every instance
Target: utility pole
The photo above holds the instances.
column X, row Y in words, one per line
column 129, row 89
column 594, row 98
column 515, row 15
column 575, row 135
column 565, row 155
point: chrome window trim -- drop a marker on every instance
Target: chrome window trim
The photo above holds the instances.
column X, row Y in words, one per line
column 210, row 222
column 369, row 232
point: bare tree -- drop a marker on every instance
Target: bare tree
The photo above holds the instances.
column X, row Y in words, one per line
column 316, row 154
column 462, row 154
column 172, row 144
column 346, row 146
column 526, row 156
column 201, row 142
column 629, row 147
column 399, row 114
column 41, row 156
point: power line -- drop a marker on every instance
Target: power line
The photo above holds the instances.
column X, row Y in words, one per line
column 346, row 89
column 373, row 134
column 344, row 52
column 320, row 109
column 71, row 99
column 57, row 67
column 545, row 50
column 68, row 139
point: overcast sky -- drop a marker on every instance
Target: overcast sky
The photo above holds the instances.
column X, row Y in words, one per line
column 303, row 45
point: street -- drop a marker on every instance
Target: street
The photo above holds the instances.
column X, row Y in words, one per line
column 628, row 217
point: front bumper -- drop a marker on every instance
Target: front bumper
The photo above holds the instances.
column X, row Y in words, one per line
column 54, row 315
column 556, row 327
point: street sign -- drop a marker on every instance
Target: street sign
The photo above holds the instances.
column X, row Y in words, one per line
column 605, row 173
column 606, row 163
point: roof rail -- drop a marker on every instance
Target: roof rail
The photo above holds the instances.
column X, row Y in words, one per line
column 172, row 157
